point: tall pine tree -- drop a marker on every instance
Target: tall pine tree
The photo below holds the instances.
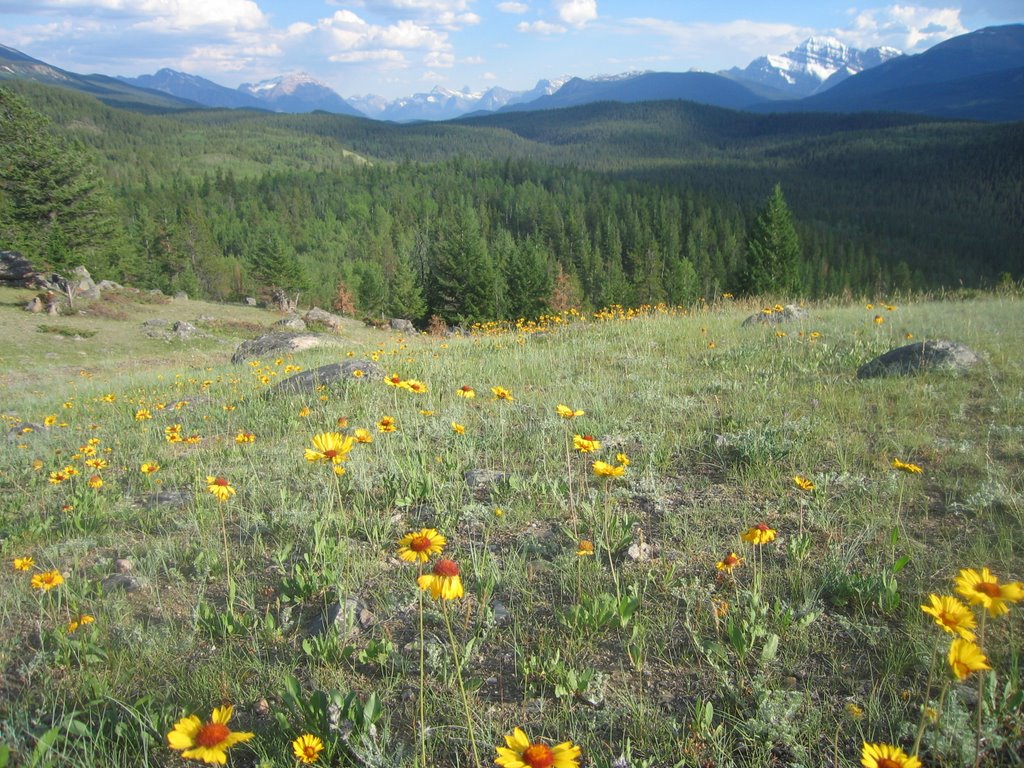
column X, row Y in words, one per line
column 773, row 251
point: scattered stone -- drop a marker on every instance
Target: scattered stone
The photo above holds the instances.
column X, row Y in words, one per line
column 273, row 343
column 405, row 326
column 156, row 322
column 124, row 565
column 184, row 330
column 179, row 497
column 109, row 285
column 775, row 315
column 24, row 429
column 16, row 270
column 322, row 316
column 261, row 708
column 121, row 581
column 921, row 356
column 485, row 479
column 249, row 301
column 499, row 611
column 348, row 615
column 181, row 295
column 640, row 552
column 307, row 381
column 292, row 323
column 83, row 284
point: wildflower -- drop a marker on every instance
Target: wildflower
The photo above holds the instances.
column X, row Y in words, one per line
column 394, row 380
column 219, row 487
column 586, row 548
column 363, row 436
column 585, row 443
column 69, row 471
column 245, row 437
column 759, row 534
column 149, row 467
column 50, row 420
column 730, row 561
column 499, row 512
column 803, row 483
column 984, row 589
column 307, row 748
column 910, row 469
column 415, row 386
column 80, row 622
column 387, row 424
column 966, row 657
column 603, row 469
column 341, row 422
column 854, row 711
column 37, row 464
column 869, row 306
column 97, row 463
column 425, row 412
column 466, row 391
column 712, row 345
column 458, row 429
column 95, row 481
column 304, row 412
column 193, row 439
column 421, row 545
column 142, row 414
column 566, row 412
column 358, row 373
column 500, row 393
column 47, row 580
column 952, row 615
column 879, row 320
column 208, row 742
column 56, row 478
column 522, row 753
column 886, row 756
column 23, row 563
column 443, row 582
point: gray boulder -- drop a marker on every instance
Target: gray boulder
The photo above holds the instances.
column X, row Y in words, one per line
column 82, row 284
column 775, row 316
column 921, row 356
column 307, row 381
column 404, row 326
column 249, row 301
column 293, row 323
column 273, row 343
column 322, row 316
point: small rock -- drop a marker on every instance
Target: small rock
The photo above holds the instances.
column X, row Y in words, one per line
column 124, row 565
column 322, row 316
column 184, row 330
column 775, row 315
column 121, row 581
column 249, row 301
column 292, row 323
column 181, row 296
column 485, row 479
column 348, row 615
column 181, row 497
column 261, row 708
column 404, row 326
column 640, row 551
column 921, row 356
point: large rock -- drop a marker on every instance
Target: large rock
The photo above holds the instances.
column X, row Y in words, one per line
column 322, row 316
column 777, row 314
column 404, row 326
column 920, row 356
column 292, row 323
column 82, row 284
column 273, row 343
column 325, row 375
column 16, row 270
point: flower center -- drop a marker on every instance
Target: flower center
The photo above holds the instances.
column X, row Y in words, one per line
column 466, row 388
column 420, row 544
column 221, row 481
column 212, row 734
column 538, row 756
column 310, row 752
column 330, row 453
column 885, row 762
column 988, row 588
column 447, row 568
column 762, row 527
column 730, row 559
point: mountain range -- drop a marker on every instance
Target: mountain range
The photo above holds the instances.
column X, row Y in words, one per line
column 978, row 76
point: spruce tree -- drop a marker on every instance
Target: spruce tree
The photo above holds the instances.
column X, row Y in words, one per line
column 773, row 251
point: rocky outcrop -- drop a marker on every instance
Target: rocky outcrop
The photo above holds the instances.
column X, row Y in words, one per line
column 273, row 343
column 325, row 375
column 776, row 315
column 921, row 356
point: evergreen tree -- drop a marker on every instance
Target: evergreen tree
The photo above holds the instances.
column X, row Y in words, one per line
column 528, row 280
column 461, row 273
column 773, row 251
column 54, row 205
column 405, row 294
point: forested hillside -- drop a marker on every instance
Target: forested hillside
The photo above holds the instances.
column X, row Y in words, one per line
column 593, row 205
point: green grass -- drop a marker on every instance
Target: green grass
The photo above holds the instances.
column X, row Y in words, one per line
column 814, row 645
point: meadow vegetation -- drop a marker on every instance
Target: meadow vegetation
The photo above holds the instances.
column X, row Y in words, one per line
column 175, row 536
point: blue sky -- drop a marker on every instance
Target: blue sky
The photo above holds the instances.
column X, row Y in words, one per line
column 399, row 47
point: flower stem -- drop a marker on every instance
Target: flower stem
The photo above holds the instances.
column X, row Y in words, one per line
column 927, row 694
column 423, row 724
column 981, row 700
column 462, row 686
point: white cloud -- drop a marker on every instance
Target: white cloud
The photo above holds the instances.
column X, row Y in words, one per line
column 350, row 32
column 391, row 58
column 439, row 59
column 707, row 45
column 906, row 27
column 513, row 7
column 576, row 12
column 489, row 76
column 540, row 28
column 452, row 14
column 168, row 15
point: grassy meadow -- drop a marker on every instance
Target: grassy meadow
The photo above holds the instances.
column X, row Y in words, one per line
column 601, row 610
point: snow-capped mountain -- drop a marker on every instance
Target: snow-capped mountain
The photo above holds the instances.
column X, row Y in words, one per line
column 815, row 65
column 446, row 104
column 195, row 88
column 298, row 93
